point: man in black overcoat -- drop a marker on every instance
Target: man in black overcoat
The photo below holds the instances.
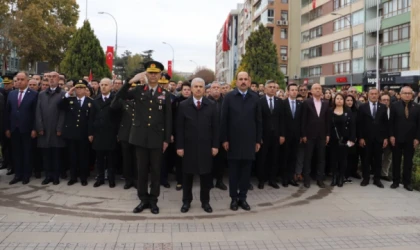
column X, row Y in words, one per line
column 197, row 142
column 241, row 134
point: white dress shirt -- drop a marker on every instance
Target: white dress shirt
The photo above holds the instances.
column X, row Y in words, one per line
column 195, row 101
column 105, row 96
column 371, row 107
column 23, row 93
column 268, row 100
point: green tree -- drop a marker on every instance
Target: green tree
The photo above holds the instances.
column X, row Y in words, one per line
column 206, row 74
column 260, row 59
column 39, row 29
column 85, row 53
column 175, row 77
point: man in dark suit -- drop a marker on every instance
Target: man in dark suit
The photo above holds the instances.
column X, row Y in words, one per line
column 241, row 134
column 104, row 134
column 404, row 132
column 126, row 107
column 292, row 118
column 76, row 130
column 315, row 134
column 150, row 132
column 372, row 129
column 6, row 146
column 20, row 127
column 197, row 142
column 272, row 136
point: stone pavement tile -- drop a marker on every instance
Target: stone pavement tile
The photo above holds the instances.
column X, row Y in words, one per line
column 397, row 229
column 299, row 234
column 144, row 238
column 352, row 231
column 392, row 213
column 3, row 235
column 89, row 237
column 59, row 218
column 27, row 217
column 34, row 237
column 247, row 236
column 198, row 237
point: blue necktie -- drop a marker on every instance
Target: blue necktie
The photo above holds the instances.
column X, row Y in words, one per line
column 293, row 109
column 243, row 96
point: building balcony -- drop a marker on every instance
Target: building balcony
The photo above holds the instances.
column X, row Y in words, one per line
column 372, row 24
column 371, row 3
column 396, row 18
column 395, row 49
column 371, row 51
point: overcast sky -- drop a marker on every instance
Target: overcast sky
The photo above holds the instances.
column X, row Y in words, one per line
column 190, row 26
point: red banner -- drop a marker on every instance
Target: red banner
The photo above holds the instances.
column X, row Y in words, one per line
column 110, row 57
column 313, row 4
column 225, row 36
column 170, row 68
column 90, row 76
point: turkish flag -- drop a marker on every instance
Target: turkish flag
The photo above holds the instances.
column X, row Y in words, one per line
column 90, row 76
column 109, row 57
column 170, row 68
column 225, row 35
column 313, row 4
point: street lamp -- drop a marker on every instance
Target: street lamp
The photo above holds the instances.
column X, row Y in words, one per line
column 116, row 31
column 351, row 44
column 173, row 55
column 196, row 64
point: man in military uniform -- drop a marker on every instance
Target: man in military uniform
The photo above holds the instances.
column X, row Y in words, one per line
column 76, row 130
column 150, row 132
column 128, row 150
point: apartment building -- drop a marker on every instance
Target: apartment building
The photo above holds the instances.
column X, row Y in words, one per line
column 399, row 50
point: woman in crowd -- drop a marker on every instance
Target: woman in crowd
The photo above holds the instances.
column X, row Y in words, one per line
column 342, row 136
column 353, row 157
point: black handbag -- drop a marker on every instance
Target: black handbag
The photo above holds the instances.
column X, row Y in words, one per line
column 340, row 138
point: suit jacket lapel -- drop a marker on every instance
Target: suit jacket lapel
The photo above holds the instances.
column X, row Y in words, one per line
column 25, row 97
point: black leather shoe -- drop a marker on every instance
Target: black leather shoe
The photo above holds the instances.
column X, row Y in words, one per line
column 10, row 172
column 166, row 185
column 56, row 181
column 293, row 183
column 408, row 187
column 251, row 187
column 307, row 184
column 98, row 183
column 154, row 208
column 285, row 184
column 207, row 208
column 63, row 175
column 178, row 187
column 261, row 185
column 25, row 181
column 320, row 184
column 46, row 181
column 244, row 205
column 386, row 178
column 273, row 184
column 378, row 183
column 234, row 205
column 128, row 185
column 185, row 207
column 220, row 185
column 364, row 183
column 111, row 184
column 140, row 207
column 333, row 181
column 84, row 183
column 14, row 181
column 395, row 185
column 38, row 175
column 71, row 182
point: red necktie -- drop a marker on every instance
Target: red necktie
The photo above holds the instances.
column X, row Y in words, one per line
column 20, row 97
column 198, row 104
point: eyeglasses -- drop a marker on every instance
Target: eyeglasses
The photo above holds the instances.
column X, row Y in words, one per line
column 406, row 93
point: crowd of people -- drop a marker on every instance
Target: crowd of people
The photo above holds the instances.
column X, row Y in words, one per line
column 151, row 126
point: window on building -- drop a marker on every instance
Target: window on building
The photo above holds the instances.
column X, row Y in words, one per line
column 283, row 51
column 358, row 41
column 283, row 33
column 315, row 71
column 315, row 51
column 358, row 65
column 341, row 3
column 284, row 1
column 396, row 62
column 270, row 15
column 358, row 17
column 341, row 45
column 342, row 67
column 283, row 69
column 396, row 34
column 311, row 34
column 315, row 13
column 284, row 15
column 341, row 23
column 304, row 54
column 396, row 7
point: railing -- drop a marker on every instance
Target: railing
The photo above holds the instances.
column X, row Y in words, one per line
column 371, row 25
column 397, row 12
column 370, row 51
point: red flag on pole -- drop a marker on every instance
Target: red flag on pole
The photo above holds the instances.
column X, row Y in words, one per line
column 170, row 68
column 90, row 75
column 225, row 42
column 313, row 4
column 109, row 57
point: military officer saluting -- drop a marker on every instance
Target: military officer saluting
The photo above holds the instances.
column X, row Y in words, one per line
column 150, row 132
column 77, row 128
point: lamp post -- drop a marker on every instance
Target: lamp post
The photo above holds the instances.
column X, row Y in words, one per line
column 196, row 64
column 173, row 55
column 116, row 31
column 351, row 44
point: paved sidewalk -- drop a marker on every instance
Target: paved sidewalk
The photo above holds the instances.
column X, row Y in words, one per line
column 62, row 217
